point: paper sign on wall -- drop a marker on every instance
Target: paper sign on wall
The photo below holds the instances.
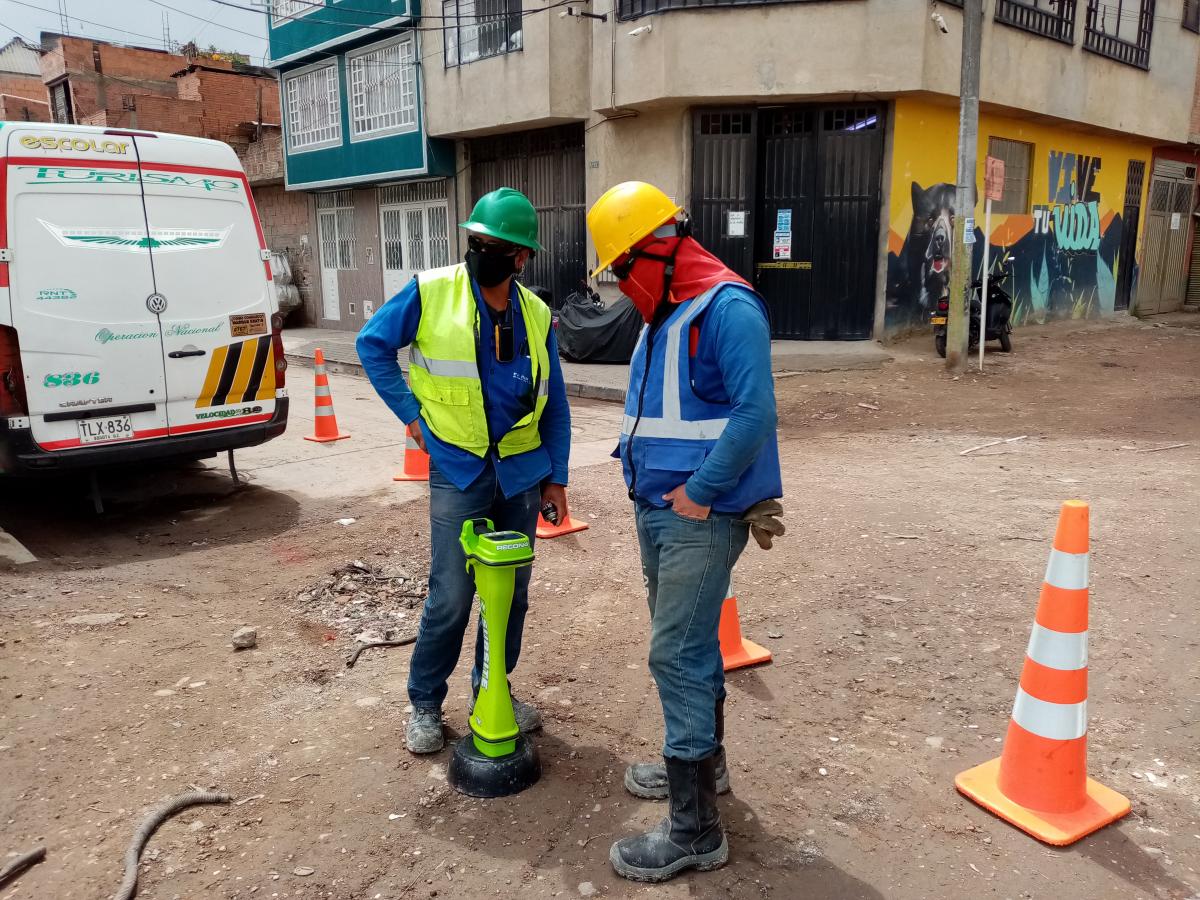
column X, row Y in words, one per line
column 737, row 223
column 969, row 230
column 783, row 220
column 782, row 245
column 1176, row 221
column 994, row 179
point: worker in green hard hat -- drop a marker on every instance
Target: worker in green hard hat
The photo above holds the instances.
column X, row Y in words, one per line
column 485, row 399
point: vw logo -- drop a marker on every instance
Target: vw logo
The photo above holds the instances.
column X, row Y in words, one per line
column 156, row 303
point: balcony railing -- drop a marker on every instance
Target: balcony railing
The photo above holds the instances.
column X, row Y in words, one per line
column 1050, row 18
column 1107, row 19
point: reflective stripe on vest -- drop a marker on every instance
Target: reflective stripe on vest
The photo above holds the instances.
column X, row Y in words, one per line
column 672, row 424
column 444, row 370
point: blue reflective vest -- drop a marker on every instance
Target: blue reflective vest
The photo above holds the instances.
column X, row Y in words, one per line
column 668, row 430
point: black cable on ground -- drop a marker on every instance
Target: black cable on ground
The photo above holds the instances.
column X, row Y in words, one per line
column 20, row 864
column 403, row 642
column 133, row 855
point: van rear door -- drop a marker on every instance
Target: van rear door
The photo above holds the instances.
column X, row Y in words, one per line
column 80, row 279
column 213, row 279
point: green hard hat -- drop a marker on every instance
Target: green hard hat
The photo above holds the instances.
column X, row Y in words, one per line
column 505, row 214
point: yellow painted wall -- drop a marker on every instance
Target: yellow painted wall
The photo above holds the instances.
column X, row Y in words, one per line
column 1054, row 275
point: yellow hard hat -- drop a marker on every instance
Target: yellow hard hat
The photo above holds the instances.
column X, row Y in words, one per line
column 623, row 216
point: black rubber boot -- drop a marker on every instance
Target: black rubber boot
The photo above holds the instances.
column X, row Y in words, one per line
column 689, row 838
column 649, row 780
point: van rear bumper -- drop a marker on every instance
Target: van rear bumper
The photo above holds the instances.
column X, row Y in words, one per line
column 20, row 454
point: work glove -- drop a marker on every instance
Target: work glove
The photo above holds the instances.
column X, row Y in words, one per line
column 763, row 519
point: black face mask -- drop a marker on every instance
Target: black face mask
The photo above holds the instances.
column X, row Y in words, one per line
column 490, row 269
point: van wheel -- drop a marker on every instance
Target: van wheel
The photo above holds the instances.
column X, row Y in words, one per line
column 939, row 344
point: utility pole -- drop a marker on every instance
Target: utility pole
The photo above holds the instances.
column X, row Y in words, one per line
column 958, row 323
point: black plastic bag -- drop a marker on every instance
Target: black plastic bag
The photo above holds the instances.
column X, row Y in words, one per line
column 589, row 332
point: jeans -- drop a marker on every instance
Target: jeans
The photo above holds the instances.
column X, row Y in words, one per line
column 686, row 564
column 452, row 588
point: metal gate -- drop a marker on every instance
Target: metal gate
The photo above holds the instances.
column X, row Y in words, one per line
column 547, row 166
column 414, row 231
column 1135, row 179
column 1162, row 284
column 789, row 197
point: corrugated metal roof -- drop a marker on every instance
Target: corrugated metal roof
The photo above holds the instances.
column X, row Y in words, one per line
column 18, row 57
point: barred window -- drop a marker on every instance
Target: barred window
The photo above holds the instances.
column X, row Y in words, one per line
column 335, row 226
column 1018, row 158
column 477, row 29
column 314, row 109
column 1120, row 30
column 281, row 10
column 383, row 89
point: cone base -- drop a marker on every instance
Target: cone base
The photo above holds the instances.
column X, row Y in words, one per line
column 403, row 477
column 748, row 654
column 1103, row 807
column 325, row 440
column 545, row 530
column 476, row 775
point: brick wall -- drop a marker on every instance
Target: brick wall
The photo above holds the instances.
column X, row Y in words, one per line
column 263, row 160
column 28, row 86
column 106, row 77
column 286, row 225
column 164, row 114
column 21, row 109
column 1196, row 109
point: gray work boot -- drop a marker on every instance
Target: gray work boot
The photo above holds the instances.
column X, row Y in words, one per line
column 424, row 733
column 689, row 838
column 527, row 716
column 649, row 780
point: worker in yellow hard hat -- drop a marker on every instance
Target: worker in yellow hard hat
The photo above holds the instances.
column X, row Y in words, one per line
column 701, row 463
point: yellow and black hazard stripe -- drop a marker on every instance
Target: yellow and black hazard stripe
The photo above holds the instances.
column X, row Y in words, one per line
column 239, row 373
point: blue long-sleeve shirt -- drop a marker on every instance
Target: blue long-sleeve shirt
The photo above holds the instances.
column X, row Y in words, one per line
column 733, row 361
column 505, row 395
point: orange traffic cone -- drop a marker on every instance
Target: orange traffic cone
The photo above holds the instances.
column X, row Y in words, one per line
column 325, row 427
column 416, row 460
column 566, row 525
column 736, row 651
column 1040, row 781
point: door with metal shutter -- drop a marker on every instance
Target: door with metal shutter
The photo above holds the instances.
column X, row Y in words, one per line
column 547, row 166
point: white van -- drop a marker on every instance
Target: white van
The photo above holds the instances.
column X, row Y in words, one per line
column 138, row 317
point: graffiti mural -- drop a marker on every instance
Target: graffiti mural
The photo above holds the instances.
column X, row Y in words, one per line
column 1064, row 253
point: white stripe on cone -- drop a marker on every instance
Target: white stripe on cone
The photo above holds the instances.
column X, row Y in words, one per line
column 1053, row 721
column 1058, row 649
column 1068, row 571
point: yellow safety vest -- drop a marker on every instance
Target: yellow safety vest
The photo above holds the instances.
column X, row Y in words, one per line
column 444, row 369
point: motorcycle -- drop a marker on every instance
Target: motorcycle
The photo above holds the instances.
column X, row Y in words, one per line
column 999, row 311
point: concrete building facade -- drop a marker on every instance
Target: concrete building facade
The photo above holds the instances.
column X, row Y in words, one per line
column 814, row 142
column 356, row 149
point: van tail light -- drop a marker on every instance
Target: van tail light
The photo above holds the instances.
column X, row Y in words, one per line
column 12, row 378
column 277, row 350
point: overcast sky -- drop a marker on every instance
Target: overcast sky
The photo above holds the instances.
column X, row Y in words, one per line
column 140, row 22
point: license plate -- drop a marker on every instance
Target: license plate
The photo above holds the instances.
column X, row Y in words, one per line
column 109, row 428
column 938, row 320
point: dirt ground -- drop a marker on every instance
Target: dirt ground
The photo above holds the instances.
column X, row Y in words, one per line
column 897, row 608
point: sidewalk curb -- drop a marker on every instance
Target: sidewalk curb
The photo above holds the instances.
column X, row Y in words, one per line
column 574, row 388
column 13, row 551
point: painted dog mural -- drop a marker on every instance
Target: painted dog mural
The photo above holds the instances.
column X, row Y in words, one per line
column 1065, row 244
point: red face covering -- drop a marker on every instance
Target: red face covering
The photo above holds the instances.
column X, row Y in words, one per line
column 696, row 270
